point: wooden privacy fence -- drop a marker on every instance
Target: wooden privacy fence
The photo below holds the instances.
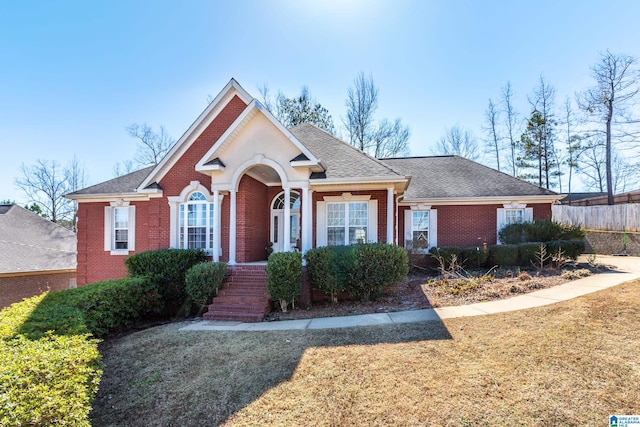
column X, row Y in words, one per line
column 607, row 217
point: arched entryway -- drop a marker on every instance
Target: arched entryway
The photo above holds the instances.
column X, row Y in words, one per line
column 278, row 222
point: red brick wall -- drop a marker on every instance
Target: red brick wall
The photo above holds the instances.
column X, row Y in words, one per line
column 152, row 217
column 15, row 289
column 469, row 225
column 379, row 195
column 252, row 225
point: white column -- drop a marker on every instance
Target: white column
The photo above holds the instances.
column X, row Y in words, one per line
column 216, row 226
column 307, row 221
column 390, row 215
column 287, row 220
column 232, row 228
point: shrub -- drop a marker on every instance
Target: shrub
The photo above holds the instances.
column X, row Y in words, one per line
column 571, row 248
column 284, row 277
column 49, row 379
column 539, row 231
column 98, row 308
column 379, row 265
column 447, row 254
column 167, row 269
column 322, row 272
column 528, row 253
column 474, row 257
column 203, row 281
column 503, row 255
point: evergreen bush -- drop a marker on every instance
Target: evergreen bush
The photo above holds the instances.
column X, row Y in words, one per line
column 203, row 281
column 284, row 277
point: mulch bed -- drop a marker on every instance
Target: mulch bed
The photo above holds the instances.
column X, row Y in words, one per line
column 421, row 291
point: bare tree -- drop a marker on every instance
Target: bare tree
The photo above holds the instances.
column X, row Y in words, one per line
column 494, row 141
column 123, row 168
column 152, row 146
column 456, row 140
column 572, row 143
column 608, row 102
column 297, row 110
column 383, row 139
column 46, row 182
column 592, row 166
column 511, row 123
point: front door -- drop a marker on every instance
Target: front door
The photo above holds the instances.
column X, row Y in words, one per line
column 278, row 222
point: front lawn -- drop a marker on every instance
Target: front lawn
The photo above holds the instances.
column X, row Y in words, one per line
column 572, row 363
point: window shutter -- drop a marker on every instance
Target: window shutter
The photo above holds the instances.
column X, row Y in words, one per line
column 132, row 229
column 321, row 224
column 433, row 228
column 408, row 225
column 372, row 223
column 501, row 221
column 108, row 227
column 528, row 214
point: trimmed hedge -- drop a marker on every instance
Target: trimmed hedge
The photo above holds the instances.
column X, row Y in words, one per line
column 363, row 270
column 45, row 380
column 539, row 231
column 284, row 277
column 167, row 269
column 99, row 308
column 571, row 248
column 321, row 271
column 203, row 281
column 528, row 253
column 474, row 257
column 503, row 255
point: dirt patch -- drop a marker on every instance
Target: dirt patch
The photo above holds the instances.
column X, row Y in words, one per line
column 421, row 291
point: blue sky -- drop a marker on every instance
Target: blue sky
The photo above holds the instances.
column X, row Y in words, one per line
column 74, row 74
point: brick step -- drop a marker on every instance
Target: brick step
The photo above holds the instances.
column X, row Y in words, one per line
column 245, row 281
column 240, row 299
column 239, row 316
column 256, row 277
column 262, row 292
column 240, row 306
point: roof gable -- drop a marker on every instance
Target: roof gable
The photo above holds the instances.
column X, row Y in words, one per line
column 231, row 90
column 254, row 108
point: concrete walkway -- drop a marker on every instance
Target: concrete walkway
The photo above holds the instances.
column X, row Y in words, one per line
column 627, row 268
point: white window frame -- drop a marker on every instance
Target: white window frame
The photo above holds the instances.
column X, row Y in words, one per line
column 501, row 216
column 322, row 216
column 432, row 231
column 110, row 228
column 183, row 227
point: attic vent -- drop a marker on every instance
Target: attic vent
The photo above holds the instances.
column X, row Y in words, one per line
column 215, row 162
column 300, row 158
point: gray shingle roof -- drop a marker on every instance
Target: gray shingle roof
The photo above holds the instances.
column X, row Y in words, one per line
column 122, row 184
column 29, row 242
column 440, row 177
column 341, row 159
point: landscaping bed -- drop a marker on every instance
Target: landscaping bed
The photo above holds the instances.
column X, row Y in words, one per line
column 428, row 289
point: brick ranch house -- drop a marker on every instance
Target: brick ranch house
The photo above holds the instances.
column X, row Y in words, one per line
column 238, row 179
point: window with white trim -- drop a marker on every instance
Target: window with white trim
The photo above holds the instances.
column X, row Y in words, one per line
column 196, row 223
column 347, row 223
column 420, row 228
column 121, row 228
column 514, row 216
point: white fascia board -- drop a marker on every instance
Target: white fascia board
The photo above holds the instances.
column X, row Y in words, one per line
column 110, row 197
column 199, row 125
column 489, row 200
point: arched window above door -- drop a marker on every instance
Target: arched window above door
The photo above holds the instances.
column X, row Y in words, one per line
column 278, row 201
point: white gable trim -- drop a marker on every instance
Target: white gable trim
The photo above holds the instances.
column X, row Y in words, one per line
column 214, row 108
column 241, row 121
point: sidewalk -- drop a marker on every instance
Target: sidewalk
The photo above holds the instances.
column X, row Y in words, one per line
column 627, row 268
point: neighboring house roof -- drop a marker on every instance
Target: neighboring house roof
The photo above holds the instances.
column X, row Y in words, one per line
column 121, row 185
column 574, row 197
column 30, row 243
column 447, row 177
column 342, row 160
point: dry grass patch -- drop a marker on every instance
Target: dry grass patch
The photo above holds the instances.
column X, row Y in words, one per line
column 572, row 363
